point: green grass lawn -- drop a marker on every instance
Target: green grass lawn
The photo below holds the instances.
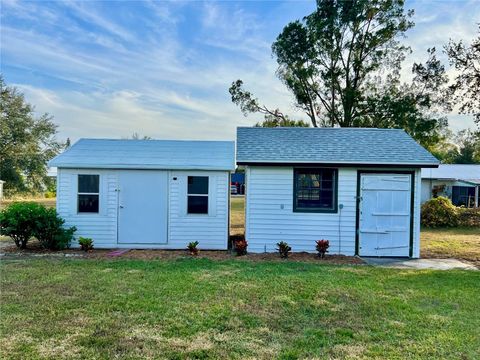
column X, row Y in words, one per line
column 198, row 308
column 237, row 215
column 50, row 202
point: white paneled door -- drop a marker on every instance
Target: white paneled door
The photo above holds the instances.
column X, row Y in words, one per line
column 385, row 203
column 142, row 207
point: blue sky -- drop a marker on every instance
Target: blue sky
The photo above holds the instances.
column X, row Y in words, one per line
column 108, row 68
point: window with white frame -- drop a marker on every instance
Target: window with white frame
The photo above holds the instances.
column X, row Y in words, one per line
column 88, row 193
column 197, row 195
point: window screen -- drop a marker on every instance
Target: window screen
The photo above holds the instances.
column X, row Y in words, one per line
column 463, row 196
column 88, row 193
column 315, row 190
column 197, row 194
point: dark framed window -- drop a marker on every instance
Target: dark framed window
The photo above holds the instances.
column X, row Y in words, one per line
column 197, row 195
column 315, row 190
column 463, row 196
column 88, row 193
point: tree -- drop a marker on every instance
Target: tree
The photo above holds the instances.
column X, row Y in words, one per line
column 272, row 121
column 250, row 104
column 465, row 89
column 326, row 59
column 136, row 136
column 27, row 143
column 413, row 106
column 342, row 63
column 461, row 148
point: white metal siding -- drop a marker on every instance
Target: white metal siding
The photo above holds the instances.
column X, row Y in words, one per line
column 268, row 188
column 210, row 230
column 101, row 227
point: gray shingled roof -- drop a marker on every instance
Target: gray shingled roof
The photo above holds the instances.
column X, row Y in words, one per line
column 330, row 145
column 148, row 154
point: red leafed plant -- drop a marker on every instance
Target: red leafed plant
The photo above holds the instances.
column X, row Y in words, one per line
column 322, row 247
column 240, row 247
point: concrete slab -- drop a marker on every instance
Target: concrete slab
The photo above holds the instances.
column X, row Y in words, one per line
column 434, row 264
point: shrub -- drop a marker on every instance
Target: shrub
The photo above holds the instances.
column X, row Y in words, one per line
column 439, row 212
column 49, row 230
column 193, row 248
column 86, row 244
column 240, row 247
column 322, row 247
column 469, row 217
column 283, row 249
column 50, row 194
column 19, row 221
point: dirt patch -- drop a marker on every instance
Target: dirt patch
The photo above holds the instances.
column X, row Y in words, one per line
column 227, row 255
column 35, row 250
column 457, row 243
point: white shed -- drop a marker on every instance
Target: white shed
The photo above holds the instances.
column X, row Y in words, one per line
column 357, row 188
column 146, row 193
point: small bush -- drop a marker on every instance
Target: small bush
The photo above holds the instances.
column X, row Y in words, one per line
column 439, row 212
column 49, row 230
column 86, row 244
column 469, row 217
column 19, row 221
column 240, row 247
column 283, row 248
column 50, row 194
column 322, row 247
column 193, row 248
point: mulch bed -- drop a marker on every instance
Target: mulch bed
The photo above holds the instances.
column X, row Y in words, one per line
column 35, row 250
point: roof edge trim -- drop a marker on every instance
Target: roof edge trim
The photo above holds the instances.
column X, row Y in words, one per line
column 338, row 164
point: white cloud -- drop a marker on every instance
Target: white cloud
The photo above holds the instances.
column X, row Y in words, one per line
column 91, row 15
column 153, row 81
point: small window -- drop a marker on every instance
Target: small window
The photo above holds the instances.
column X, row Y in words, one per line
column 197, row 194
column 315, row 190
column 463, row 196
column 88, row 193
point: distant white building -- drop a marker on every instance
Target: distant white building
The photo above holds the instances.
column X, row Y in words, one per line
column 1, row 189
column 52, row 172
column 460, row 183
column 146, row 193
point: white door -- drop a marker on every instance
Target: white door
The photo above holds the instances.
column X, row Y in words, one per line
column 385, row 201
column 142, row 202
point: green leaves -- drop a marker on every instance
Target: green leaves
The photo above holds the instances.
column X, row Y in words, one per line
column 283, row 249
column 19, row 221
column 466, row 87
column 24, row 220
column 326, row 58
column 26, row 143
column 439, row 212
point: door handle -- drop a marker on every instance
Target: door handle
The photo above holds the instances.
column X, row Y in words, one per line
column 121, row 206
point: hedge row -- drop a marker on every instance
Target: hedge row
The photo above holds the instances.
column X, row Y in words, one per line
column 25, row 220
column 440, row 212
